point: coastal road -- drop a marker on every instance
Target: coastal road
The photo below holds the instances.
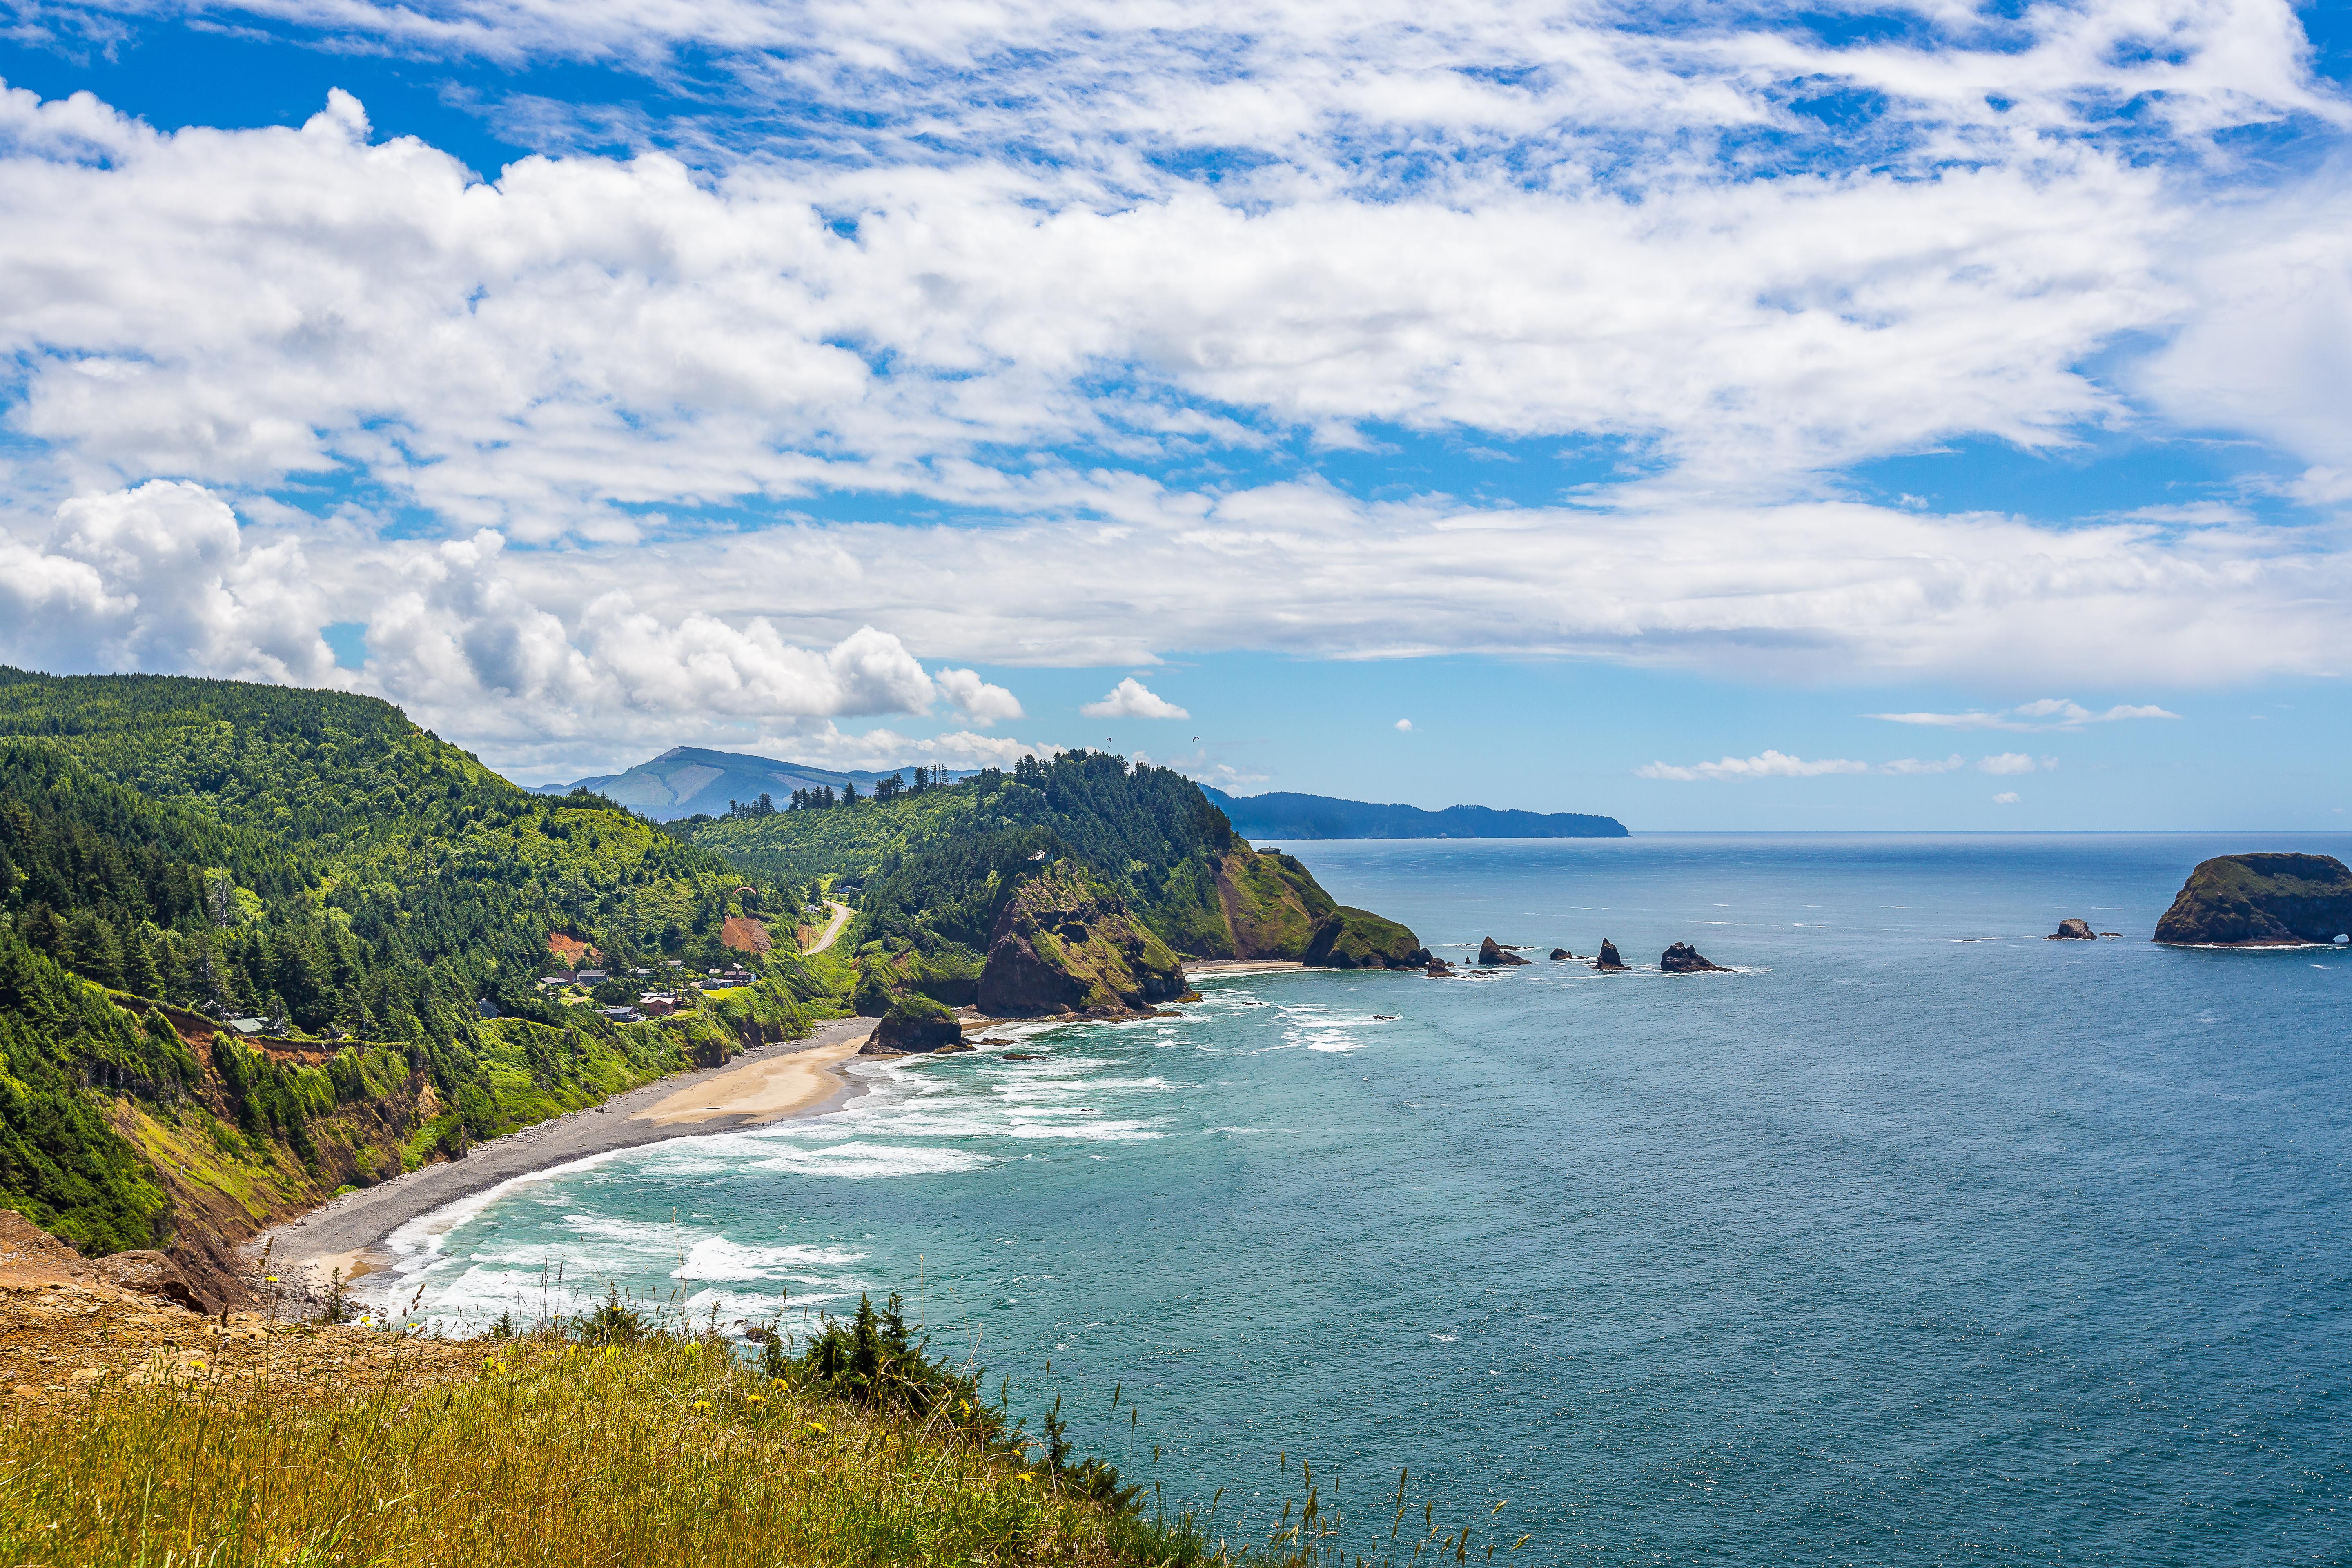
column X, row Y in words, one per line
column 840, row 919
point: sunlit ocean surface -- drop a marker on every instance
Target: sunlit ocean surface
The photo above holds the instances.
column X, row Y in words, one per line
column 1918, row 1240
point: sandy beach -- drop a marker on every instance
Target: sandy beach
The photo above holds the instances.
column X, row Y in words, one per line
column 765, row 1084
column 1210, row 971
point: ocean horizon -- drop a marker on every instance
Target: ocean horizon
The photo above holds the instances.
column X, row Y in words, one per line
column 1915, row 1239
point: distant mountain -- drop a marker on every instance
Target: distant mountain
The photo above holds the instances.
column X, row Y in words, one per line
column 1285, row 815
column 685, row 780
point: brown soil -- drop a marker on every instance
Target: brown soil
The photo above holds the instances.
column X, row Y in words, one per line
column 569, row 951
column 61, row 1337
column 741, row 933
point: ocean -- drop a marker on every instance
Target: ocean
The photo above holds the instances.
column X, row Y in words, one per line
column 1917, row 1239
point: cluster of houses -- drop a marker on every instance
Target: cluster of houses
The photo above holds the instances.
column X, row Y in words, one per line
column 649, row 1004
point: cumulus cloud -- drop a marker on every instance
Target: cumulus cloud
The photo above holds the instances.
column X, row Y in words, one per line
column 2015, row 763
column 1512, row 220
column 1404, row 726
column 160, row 579
column 1924, row 765
column 975, row 698
column 2047, row 713
column 2006, row 797
column 1131, row 698
column 1767, row 764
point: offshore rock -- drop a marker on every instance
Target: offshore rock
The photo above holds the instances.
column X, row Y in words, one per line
column 1440, row 970
column 1358, row 939
column 1492, row 954
column 1560, row 952
column 2072, row 930
column 1064, row 944
column 1683, row 959
column 2261, row 901
column 1608, row 959
column 917, row 1024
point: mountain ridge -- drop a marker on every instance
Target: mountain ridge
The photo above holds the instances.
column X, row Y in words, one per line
column 1285, row 815
column 696, row 781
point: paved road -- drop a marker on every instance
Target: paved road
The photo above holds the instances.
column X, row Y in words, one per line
column 840, row 919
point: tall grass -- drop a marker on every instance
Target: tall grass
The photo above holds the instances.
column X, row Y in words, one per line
column 615, row 1439
column 656, row 1454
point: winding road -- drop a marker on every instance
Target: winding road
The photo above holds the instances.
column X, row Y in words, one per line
column 833, row 928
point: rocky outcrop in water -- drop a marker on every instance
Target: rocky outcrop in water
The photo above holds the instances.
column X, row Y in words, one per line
column 1492, row 954
column 1358, row 939
column 2072, row 930
column 2261, row 901
column 917, row 1024
column 1439, row 970
column 1608, row 959
column 1064, row 945
column 1683, row 959
column 1560, row 952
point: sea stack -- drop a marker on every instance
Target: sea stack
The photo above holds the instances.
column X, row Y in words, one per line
column 1608, row 959
column 2261, row 901
column 1560, row 952
column 1683, row 959
column 1439, row 970
column 1493, row 954
column 2072, row 930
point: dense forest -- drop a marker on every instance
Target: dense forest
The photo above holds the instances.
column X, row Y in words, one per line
column 935, row 870
column 175, row 854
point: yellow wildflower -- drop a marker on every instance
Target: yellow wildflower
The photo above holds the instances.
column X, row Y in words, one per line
column 702, row 1404
column 751, row 1399
column 817, row 1427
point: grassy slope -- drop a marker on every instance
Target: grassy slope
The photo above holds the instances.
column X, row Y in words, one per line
column 545, row 1453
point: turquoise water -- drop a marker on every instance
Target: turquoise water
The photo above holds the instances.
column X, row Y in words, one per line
column 1918, row 1240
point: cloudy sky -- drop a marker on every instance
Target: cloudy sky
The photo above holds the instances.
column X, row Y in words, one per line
column 1728, row 415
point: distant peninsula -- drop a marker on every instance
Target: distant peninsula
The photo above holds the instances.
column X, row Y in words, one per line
column 689, row 781
column 2261, row 901
column 1287, row 815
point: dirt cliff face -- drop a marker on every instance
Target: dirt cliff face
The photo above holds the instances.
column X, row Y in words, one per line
column 1064, row 946
column 2261, row 901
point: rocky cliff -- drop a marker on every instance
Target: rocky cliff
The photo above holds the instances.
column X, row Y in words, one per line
column 2261, row 901
column 1064, row 944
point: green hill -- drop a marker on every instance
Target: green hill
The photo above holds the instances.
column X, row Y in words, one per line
column 175, row 854
column 937, row 872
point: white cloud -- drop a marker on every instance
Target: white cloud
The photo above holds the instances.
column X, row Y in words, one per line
column 160, row 578
column 1635, row 233
column 1132, row 700
column 1765, row 764
column 2006, row 797
column 2046, row 713
column 2015, row 763
column 1404, row 726
column 977, row 700
column 1930, row 766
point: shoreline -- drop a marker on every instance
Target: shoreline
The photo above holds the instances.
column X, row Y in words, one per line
column 1212, row 970
column 766, row 1084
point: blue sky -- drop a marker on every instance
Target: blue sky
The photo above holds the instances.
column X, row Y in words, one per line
column 1870, row 416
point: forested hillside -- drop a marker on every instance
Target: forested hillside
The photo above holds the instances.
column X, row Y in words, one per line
column 936, row 871
column 177, row 853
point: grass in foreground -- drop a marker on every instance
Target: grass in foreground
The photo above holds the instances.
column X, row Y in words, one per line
column 607, row 1438
column 651, row 1454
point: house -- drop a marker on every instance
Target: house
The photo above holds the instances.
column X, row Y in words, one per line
column 248, row 1026
column 590, row 977
column 736, row 976
column 555, row 979
column 487, row 1008
column 658, row 1004
column 624, row 1015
